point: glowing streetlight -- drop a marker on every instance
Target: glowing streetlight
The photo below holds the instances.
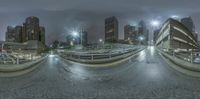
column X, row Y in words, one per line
column 100, row 40
column 141, row 38
column 155, row 23
column 75, row 34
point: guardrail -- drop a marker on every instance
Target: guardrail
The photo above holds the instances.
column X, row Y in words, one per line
column 19, row 67
column 101, row 57
column 189, row 56
column 181, row 62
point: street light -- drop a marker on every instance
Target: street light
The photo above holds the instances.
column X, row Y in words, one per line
column 100, row 40
column 141, row 38
column 155, row 23
column 75, row 34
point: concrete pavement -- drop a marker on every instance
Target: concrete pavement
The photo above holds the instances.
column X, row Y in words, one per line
column 147, row 77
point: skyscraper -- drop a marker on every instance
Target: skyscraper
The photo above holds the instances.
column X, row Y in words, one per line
column 143, row 32
column 155, row 34
column 111, row 29
column 130, row 34
column 10, row 34
column 84, row 38
column 188, row 22
column 42, row 35
column 128, row 31
column 30, row 30
column 18, row 34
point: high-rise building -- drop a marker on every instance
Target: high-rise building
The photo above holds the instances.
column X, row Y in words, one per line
column 42, row 35
column 128, row 31
column 188, row 22
column 130, row 34
column 173, row 35
column 84, row 38
column 143, row 32
column 14, row 34
column 10, row 34
column 18, row 34
column 155, row 34
column 30, row 30
column 111, row 29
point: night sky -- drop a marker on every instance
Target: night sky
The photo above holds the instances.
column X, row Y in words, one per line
column 62, row 16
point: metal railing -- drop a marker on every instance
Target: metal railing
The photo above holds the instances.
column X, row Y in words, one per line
column 10, row 58
column 100, row 57
column 189, row 56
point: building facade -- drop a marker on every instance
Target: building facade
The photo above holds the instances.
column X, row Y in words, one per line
column 18, row 33
column 42, row 35
column 111, row 29
column 176, row 36
column 143, row 33
column 130, row 34
column 84, row 38
column 10, row 34
column 31, row 30
column 155, row 34
column 188, row 22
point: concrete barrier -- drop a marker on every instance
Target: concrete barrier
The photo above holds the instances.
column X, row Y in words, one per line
column 19, row 67
column 181, row 63
column 104, row 62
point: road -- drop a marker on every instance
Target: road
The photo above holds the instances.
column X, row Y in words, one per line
column 144, row 77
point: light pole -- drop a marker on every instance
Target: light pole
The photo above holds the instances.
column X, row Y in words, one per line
column 154, row 25
column 75, row 34
column 101, row 42
column 141, row 38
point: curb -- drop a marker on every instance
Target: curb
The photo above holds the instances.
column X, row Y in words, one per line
column 22, row 71
column 179, row 68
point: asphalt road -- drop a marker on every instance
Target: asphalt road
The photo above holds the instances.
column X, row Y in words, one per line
column 144, row 77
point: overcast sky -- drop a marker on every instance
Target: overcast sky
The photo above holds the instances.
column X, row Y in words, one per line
column 61, row 16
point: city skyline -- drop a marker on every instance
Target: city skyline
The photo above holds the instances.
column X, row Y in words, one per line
column 59, row 20
column 99, row 49
column 30, row 30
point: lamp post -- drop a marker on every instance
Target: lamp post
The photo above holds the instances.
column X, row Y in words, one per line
column 154, row 25
column 101, row 42
column 141, row 38
column 75, row 34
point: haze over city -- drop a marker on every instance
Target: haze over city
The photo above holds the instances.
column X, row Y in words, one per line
column 99, row 49
column 60, row 17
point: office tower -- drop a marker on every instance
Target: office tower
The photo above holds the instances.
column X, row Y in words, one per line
column 111, row 29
